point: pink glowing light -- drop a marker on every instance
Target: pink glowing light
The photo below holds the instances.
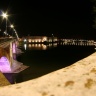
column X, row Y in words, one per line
column 14, row 48
column 4, row 65
column 16, row 66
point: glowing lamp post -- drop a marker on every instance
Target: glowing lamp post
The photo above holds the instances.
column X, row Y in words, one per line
column 5, row 16
column 12, row 26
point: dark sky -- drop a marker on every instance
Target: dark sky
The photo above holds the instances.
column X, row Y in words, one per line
column 66, row 18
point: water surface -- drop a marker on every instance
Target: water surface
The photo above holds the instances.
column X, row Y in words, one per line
column 48, row 59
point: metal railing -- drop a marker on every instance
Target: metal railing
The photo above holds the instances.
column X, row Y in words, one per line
column 5, row 39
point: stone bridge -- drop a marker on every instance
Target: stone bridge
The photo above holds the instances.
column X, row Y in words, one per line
column 8, row 63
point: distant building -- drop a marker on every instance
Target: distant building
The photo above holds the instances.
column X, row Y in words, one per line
column 39, row 39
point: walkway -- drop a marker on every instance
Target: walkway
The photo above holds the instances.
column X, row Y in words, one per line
column 79, row 79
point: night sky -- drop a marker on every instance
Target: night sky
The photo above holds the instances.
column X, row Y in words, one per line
column 66, row 18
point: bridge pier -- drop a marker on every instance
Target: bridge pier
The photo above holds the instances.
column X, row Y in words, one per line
column 8, row 63
column 6, row 56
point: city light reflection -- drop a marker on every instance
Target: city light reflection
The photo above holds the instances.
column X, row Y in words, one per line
column 38, row 46
column 25, row 46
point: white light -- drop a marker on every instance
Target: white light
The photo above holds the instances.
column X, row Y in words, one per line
column 44, row 38
column 25, row 46
column 5, row 15
column 25, row 40
column 12, row 26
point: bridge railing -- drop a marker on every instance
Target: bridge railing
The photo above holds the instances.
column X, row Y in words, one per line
column 5, row 39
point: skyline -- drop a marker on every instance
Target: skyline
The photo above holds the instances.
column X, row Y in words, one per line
column 64, row 19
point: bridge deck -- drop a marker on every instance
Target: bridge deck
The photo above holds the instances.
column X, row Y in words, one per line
column 4, row 43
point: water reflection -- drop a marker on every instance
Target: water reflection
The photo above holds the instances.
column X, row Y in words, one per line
column 39, row 46
column 51, row 60
column 45, row 46
column 25, row 46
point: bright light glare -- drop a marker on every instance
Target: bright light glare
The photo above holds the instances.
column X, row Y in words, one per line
column 44, row 39
column 25, row 46
column 25, row 40
column 12, row 26
column 5, row 15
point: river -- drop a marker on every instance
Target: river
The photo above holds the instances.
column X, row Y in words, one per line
column 43, row 59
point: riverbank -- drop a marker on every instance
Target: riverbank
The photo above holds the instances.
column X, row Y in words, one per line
column 78, row 79
column 3, row 80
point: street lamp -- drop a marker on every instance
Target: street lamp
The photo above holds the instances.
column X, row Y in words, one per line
column 12, row 26
column 5, row 16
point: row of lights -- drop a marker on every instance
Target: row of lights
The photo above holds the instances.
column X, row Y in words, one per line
column 5, row 16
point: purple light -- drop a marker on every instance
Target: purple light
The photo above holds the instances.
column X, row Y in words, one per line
column 15, row 68
column 4, row 65
column 14, row 48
